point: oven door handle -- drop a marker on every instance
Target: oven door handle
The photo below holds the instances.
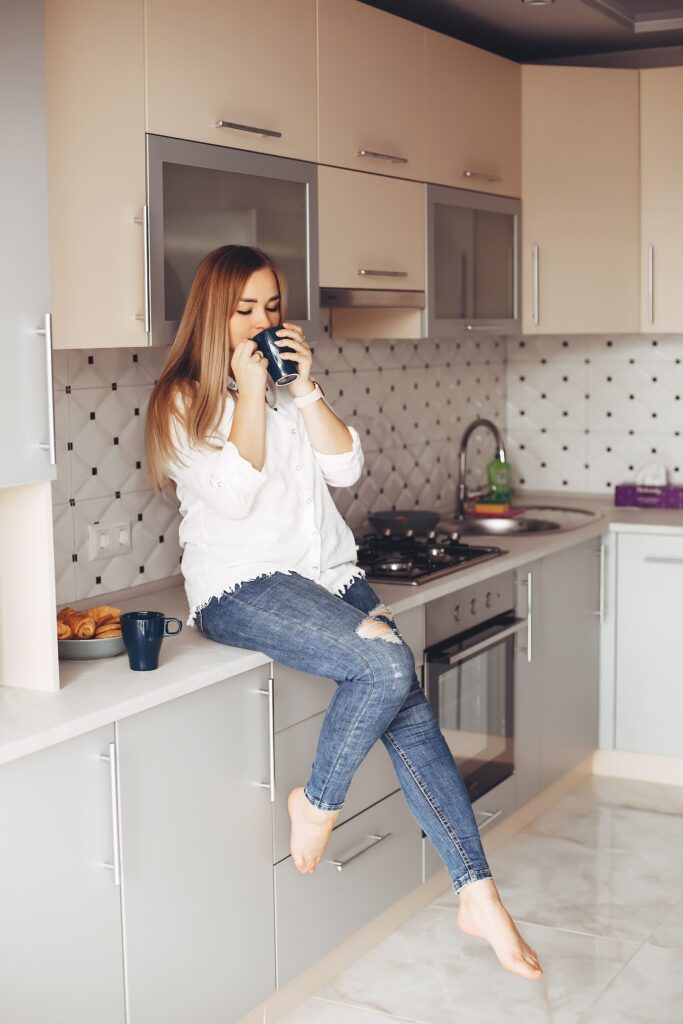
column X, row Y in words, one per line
column 483, row 645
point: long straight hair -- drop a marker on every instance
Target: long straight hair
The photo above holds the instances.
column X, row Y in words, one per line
column 198, row 364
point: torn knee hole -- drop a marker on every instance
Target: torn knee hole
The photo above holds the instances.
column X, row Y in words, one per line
column 372, row 629
column 381, row 609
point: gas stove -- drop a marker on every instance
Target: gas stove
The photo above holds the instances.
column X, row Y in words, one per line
column 418, row 559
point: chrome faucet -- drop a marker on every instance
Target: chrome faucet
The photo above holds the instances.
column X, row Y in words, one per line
column 463, row 494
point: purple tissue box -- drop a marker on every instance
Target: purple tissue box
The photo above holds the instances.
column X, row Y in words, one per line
column 666, row 496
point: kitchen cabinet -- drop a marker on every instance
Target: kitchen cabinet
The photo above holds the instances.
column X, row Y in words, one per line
column 661, row 109
column 60, row 928
column 196, row 832
column 569, row 620
column 581, row 200
column 370, row 90
column 472, row 261
column 529, row 683
column 649, row 612
column 371, row 861
column 26, row 413
column 253, row 68
column 96, row 181
column 372, row 230
column 472, row 117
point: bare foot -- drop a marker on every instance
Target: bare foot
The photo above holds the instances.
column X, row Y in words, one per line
column 481, row 913
column 311, row 829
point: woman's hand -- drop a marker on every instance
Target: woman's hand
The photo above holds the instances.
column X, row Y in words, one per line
column 292, row 337
column 249, row 368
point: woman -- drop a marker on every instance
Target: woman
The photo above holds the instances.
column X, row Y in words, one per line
column 269, row 565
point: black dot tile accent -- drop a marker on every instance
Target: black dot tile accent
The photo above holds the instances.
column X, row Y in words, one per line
column 98, row 580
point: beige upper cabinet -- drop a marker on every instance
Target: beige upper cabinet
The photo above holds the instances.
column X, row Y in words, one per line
column 251, row 65
column 472, row 117
column 96, row 172
column 371, row 230
column 370, row 90
column 661, row 114
column 580, row 200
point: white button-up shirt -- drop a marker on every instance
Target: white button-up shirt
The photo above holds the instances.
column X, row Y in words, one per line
column 239, row 523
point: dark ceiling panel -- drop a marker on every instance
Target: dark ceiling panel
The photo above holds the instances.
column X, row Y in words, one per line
column 564, row 28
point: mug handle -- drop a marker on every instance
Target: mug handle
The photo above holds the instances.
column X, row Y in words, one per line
column 167, row 631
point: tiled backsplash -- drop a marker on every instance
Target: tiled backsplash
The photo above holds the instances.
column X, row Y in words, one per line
column 585, row 413
column 409, row 400
column 582, row 414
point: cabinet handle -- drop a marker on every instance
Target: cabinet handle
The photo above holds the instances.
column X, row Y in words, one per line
column 116, row 866
column 489, row 815
column 527, row 583
column 50, row 445
column 651, row 283
column 265, row 133
column 663, row 560
column 480, row 176
column 382, row 273
column 481, row 327
column 535, row 312
column 376, row 840
column 515, row 269
column 382, row 156
column 271, row 740
column 144, row 220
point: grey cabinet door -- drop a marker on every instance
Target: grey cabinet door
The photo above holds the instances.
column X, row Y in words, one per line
column 569, row 687
column 196, row 839
column 26, row 380
column 60, row 922
column 528, row 684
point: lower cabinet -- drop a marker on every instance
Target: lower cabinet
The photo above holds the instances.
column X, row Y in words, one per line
column 60, row 913
column 371, row 861
column 196, row 854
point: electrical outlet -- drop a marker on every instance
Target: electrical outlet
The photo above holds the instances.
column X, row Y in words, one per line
column 105, row 540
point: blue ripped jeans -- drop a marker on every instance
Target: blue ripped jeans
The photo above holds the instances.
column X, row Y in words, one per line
column 299, row 623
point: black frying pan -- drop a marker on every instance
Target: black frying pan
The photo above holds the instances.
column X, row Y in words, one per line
column 403, row 523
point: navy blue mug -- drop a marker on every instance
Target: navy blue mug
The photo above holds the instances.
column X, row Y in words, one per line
column 142, row 636
column 281, row 370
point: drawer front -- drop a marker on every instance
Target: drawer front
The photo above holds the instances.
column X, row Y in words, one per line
column 294, row 754
column 316, row 912
column 486, row 810
column 299, row 695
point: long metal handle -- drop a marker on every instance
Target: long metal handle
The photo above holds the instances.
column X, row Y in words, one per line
column 489, row 815
column 515, row 269
column 483, row 645
column 265, row 133
column 51, row 444
column 651, row 283
column 271, row 740
column 481, row 327
column 535, row 310
column 529, row 599
column 480, row 176
column 116, row 866
column 663, row 560
column 382, row 273
column 376, row 840
column 144, row 220
column 382, row 156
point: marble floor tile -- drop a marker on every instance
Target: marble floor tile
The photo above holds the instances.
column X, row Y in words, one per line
column 561, row 883
column 670, row 931
column 648, row 990
column 429, row 971
column 645, row 796
column 320, row 1011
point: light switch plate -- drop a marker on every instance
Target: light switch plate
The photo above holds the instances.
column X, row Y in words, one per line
column 105, row 540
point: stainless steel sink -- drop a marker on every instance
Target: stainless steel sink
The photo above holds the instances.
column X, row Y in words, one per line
column 534, row 519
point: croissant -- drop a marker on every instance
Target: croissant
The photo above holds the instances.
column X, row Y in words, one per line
column 64, row 631
column 103, row 611
column 61, row 616
column 81, row 624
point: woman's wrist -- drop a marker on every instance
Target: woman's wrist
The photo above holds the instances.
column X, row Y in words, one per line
column 304, row 388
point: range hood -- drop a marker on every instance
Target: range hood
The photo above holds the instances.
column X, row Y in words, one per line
column 371, row 298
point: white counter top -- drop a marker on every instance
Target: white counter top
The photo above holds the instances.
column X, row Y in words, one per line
column 97, row 693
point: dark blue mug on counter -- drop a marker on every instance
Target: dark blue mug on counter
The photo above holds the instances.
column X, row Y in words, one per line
column 142, row 635
column 281, row 370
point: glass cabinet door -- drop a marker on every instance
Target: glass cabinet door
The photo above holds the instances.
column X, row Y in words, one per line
column 202, row 197
column 472, row 261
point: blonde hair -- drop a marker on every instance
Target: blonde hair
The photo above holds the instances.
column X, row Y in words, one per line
column 198, row 363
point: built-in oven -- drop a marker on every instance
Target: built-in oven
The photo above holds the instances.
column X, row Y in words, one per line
column 470, row 678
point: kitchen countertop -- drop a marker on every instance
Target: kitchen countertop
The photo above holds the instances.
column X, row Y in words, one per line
column 97, row 693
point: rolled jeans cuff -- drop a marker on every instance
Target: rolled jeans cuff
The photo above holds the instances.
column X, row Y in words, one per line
column 472, row 876
column 322, row 805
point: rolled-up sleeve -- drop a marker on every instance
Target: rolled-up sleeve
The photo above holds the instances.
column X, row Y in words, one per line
column 222, row 478
column 343, row 468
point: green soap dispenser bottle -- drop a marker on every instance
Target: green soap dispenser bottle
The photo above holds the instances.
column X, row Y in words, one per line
column 499, row 475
